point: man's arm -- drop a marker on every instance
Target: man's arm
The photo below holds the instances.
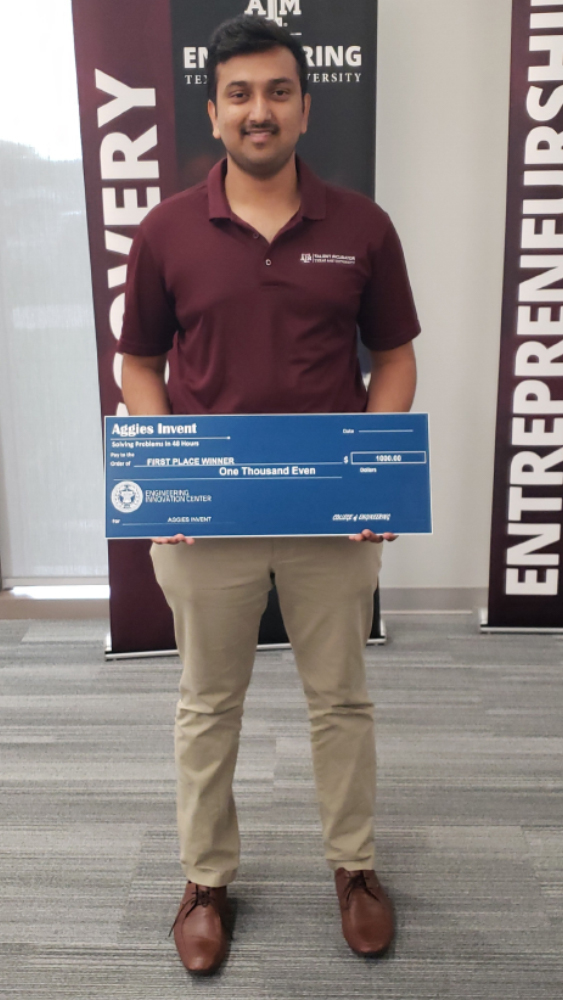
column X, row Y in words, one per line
column 391, row 390
column 144, row 389
column 144, row 392
column 393, row 380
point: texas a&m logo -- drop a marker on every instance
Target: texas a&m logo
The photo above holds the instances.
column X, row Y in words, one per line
column 274, row 10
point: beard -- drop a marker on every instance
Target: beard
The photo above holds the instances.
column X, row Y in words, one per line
column 265, row 168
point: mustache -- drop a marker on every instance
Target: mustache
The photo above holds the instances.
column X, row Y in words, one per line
column 264, row 127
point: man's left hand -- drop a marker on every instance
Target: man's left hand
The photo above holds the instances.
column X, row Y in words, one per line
column 369, row 536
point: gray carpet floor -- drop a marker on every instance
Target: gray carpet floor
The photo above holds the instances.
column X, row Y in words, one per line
column 470, row 842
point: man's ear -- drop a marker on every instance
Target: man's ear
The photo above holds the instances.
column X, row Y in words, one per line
column 213, row 116
column 306, row 110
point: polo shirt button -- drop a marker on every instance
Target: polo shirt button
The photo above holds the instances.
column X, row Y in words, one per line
column 267, row 263
column 256, row 236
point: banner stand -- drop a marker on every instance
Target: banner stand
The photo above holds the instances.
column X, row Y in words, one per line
column 487, row 629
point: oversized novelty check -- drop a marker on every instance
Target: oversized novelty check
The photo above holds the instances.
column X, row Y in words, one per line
column 243, row 476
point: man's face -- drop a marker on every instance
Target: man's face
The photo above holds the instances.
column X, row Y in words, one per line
column 259, row 111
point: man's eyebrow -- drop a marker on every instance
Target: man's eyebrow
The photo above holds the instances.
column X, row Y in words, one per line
column 275, row 82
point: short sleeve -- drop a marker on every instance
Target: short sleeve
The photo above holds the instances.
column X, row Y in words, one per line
column 149, row 321
column 387, row 317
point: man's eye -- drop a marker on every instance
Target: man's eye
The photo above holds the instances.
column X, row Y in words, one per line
column 281, row 93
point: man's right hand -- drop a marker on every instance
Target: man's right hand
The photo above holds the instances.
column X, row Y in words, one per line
column 174, row 540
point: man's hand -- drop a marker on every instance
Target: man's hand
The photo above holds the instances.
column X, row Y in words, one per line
column 175, row 540
column 369, row 536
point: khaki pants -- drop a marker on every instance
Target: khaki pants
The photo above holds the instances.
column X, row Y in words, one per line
column 217, row 590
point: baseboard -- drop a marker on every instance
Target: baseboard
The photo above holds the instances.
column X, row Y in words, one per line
column 12, row 607
column 432, row 599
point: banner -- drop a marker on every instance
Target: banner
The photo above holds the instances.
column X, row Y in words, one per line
column 526, row 548
column 146, row 135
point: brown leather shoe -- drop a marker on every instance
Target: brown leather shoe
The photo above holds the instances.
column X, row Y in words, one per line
column 201, row 928
column 367, row 913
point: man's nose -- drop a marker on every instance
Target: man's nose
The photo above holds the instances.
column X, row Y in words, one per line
column 259, row 109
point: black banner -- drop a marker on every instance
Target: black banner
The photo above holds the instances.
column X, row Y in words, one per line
column 526, row 547
column 146, row 135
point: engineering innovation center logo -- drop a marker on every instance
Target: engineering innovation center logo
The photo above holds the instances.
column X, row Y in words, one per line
column 127, row 497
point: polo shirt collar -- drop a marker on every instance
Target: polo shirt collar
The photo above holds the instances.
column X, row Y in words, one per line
column 312, row 189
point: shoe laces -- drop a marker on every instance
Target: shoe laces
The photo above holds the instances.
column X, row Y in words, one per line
column 358, row 881
column 203, row 897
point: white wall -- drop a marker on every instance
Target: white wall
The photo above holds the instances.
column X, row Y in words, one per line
column 443, row 93
column 441, row 173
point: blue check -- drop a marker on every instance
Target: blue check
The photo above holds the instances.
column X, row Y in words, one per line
column 251, row 476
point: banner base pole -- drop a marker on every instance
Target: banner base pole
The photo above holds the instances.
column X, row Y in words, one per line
column 143, row 654
column 381, row 638
column 485, row 628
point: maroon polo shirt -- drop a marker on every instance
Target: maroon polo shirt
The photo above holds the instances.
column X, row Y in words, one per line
column 258, row 327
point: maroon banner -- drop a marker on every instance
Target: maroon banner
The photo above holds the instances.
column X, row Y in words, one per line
column 526, row 547
column 126, row 94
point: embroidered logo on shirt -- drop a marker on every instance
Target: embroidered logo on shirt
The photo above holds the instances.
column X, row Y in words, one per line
column 326, row 258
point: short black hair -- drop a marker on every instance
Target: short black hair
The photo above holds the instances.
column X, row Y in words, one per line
column 245, row 34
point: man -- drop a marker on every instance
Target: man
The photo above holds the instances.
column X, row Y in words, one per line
column 221, row 284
